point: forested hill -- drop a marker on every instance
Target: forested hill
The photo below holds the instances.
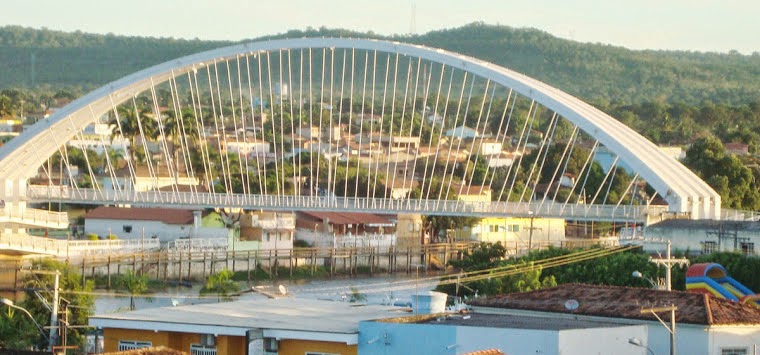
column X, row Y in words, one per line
column 595, row 72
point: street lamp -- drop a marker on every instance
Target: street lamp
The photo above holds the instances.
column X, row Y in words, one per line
column 9, row 303
column 637, row 342
column 639, row 275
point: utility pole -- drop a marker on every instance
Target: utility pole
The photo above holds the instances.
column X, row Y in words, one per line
column 669, row 262
column 672, row 328
column 54, row 313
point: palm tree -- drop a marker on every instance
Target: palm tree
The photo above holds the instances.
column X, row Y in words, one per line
column 131, row 123
column 221, row 284
column 177, row 129
column 134, row 284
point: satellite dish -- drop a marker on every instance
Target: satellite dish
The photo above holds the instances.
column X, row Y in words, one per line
column 571, row 305
column 282, row 289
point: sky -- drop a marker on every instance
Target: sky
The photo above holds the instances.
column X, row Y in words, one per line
column 696, row 25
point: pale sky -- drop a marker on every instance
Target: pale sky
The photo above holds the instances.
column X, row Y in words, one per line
column 701, row 25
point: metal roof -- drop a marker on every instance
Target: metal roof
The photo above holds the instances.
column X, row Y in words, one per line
column 281, row 317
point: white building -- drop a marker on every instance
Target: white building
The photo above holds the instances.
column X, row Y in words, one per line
column 247, row 147
column 462, row 132
column 150, row 223
column 705, row 325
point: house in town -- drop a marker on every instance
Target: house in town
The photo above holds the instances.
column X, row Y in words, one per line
column 348, row 229
column 704, row 324
column 265, row 230
column 462, row 132
column 565, row 319
column 145, row 179
column 164, row 224
column 702, row 236
column 514, row 232
column 484, row 333
column 281, row 326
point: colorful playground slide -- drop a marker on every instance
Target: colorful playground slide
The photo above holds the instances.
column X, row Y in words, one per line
column 712, row 278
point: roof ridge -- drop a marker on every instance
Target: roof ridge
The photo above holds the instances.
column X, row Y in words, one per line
column 708, row 309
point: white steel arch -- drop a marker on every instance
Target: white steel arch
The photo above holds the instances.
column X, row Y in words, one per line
column 683, row 190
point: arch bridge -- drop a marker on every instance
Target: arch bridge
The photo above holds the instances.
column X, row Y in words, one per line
column 343, row 124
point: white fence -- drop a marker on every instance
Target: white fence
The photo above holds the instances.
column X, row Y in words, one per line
column 198, row 245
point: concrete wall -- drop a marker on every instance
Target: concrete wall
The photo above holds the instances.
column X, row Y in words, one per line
column 301, row 347
column 406, row 338
column 742, row 337
column 509, row 341
column 394, row 338
column 605, row 341
column 225, row 345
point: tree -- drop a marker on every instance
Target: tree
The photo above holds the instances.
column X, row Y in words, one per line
column 131, row 123
column 220, row 284
column 724, row 172
column 134, row 284
column 487, row 256
column 17, row 332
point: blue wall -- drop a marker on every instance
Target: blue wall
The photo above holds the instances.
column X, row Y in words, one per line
column 398, row 338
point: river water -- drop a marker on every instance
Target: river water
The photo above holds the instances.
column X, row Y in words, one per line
column 375, row 290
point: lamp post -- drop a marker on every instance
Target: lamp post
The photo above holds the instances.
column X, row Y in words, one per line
column 639, row 275
column 10, row 304
column 637, row 342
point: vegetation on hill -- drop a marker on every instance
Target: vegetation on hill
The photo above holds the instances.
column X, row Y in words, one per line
column 595, row 72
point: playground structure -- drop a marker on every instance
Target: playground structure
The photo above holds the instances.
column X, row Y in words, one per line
column 712, row 279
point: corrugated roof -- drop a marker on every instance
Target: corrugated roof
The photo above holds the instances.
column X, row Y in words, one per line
column 166, row 215
column 627, row 302
column 232, row 317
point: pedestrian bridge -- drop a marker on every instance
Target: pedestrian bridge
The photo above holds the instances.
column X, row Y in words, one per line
column 338, row 124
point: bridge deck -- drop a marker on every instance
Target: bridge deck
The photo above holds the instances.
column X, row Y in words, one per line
column 190, row 200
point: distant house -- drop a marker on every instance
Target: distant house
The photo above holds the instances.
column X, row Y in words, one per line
column 329, row 229
column 266, row 230
column 513, row 232
column 161, row 223
column 145, row 179
column 737, row 148
column 462, row 132
column 247, row 147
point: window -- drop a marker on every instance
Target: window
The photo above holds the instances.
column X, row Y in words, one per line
column 196, row 349
column 748, row 248
column 709, row 247
column 270, row 345
column 127, row 228
column 733, row 351
column 133, row 344
column 513, row 228
column 208, row 340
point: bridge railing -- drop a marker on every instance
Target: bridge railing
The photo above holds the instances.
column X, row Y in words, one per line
column 380, row 205
column 34, row 216
column 739, row 215
column 112, row 246
column 27, row 243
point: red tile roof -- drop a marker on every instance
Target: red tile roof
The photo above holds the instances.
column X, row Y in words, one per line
column 627, row 302
column 166, row 215
column 341, row 218
column 486, row 352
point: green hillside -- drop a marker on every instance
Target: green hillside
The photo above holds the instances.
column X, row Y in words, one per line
column 595, row 72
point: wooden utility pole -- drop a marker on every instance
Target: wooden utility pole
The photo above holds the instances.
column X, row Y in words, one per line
column 669, row 262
